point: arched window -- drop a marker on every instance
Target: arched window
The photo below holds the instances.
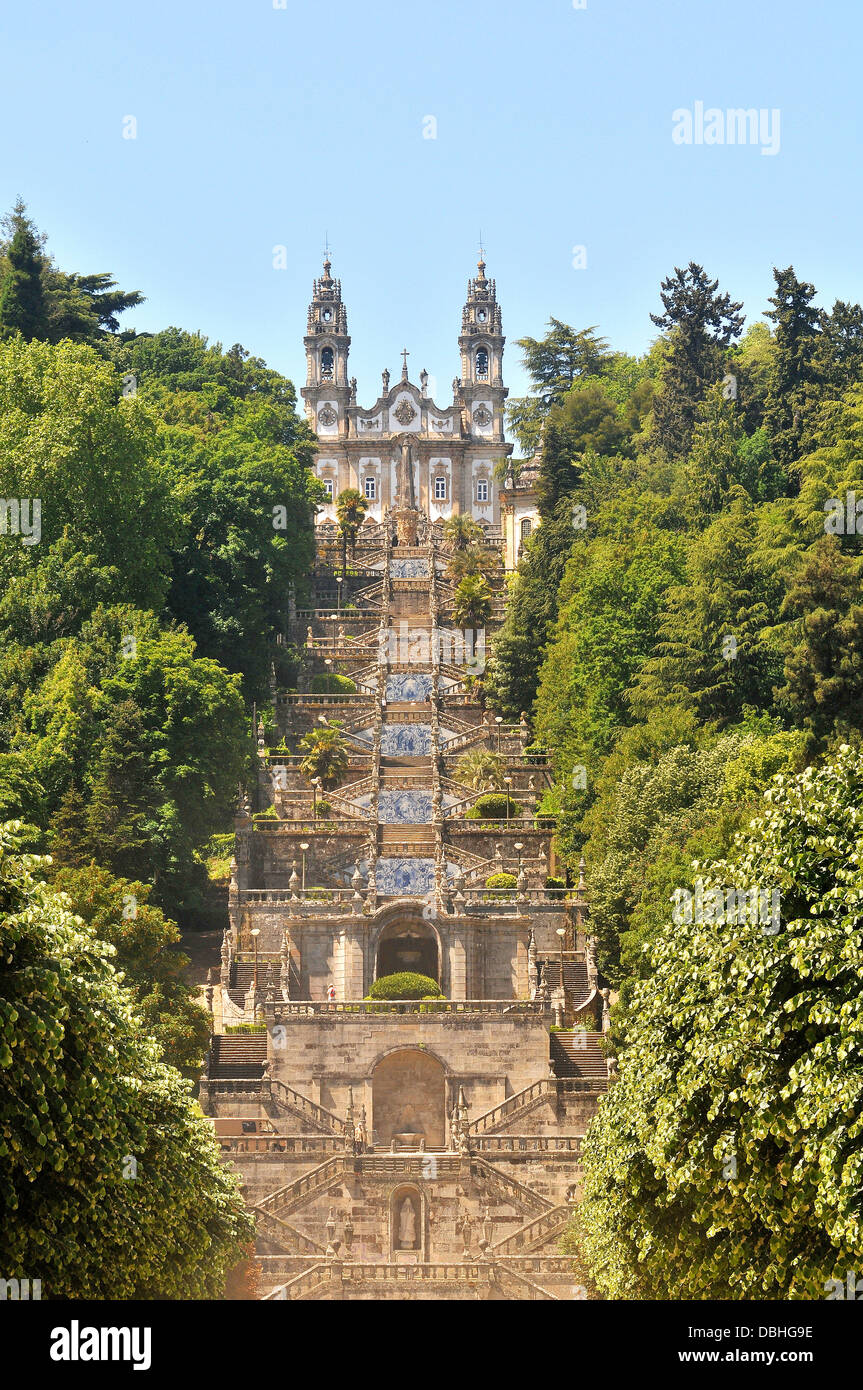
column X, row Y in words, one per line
column 482, row 364
column 526, row 528
column 327, row 364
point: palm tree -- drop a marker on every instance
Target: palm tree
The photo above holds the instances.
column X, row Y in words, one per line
column 461, row 530
column 326, row 753
column 472, row 602
column 481, row 770
column 351, row 508
column 473, row 559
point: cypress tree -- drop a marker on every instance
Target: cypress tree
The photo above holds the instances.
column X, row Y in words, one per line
column 22, row 300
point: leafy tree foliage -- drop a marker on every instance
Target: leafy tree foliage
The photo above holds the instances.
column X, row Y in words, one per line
column 38, row 300
column 111, row 1182
column 726, row 1162
column 118, row 911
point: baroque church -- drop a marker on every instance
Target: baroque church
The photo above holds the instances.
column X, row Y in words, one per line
column 404, row 1148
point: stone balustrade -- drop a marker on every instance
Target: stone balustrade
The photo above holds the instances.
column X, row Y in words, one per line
column 382, row 1008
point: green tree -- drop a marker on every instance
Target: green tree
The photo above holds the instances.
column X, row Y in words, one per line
column 351, row 507
column 793, row 395
column 725, row 1162
column 22, row 301
column 701, row 323
column 119, row 911
column 715, row 653
column 326, row 754
column 553, row 364
column 481, row 770
column 824, row 667
column 472, row 601
column 461, row 532
column 111, row 1182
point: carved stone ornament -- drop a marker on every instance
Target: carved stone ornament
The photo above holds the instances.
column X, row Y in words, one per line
column 481, row 416
column 327, row 416
column 405, row 413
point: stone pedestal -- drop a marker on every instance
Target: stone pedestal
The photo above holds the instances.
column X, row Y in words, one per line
column 407, row 522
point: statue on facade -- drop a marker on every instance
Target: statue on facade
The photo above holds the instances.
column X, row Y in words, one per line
column 407, row 1225
column 385, row 378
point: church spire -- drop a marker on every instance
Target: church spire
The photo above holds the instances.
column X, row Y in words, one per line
column 327, row 343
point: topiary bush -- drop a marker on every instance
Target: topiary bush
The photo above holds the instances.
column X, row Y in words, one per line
column 405, row 984
column 505, row 884
column 332, row 683
column 492, row 806
column 324, row 810
column 555, row 887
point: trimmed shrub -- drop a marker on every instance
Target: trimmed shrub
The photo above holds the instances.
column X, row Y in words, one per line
column 323, row 811
column 405, row 984
column 556, row 887
column 492, row 806
column 332, row 683
column 505, row 884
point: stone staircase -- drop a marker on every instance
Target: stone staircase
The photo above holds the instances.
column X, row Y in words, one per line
column 536, row 1233
column 578, row 1054
column 238, row 1056
column 509, row 1189
column 297, row 1193
column 514, row 1107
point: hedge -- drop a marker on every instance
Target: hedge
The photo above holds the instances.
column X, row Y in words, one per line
column 405, row 984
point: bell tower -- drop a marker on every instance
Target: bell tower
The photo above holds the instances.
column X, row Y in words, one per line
column 481, row 346
column 327, row 392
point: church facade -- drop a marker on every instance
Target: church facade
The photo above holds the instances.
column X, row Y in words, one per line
column 454, row 448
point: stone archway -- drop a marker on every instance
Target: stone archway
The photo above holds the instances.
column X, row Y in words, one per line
column 410, row 945
column 409, row 1098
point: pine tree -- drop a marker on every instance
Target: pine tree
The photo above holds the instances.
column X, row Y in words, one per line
column 120, row 814
column 824, row 669
column 22, row 300
column 702, row 324
column 793, row 395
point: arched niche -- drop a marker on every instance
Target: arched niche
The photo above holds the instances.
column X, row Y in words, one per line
column 408, row 944
column 409, row 1098
column 408, row 1223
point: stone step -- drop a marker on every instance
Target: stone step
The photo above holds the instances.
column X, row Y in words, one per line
column 239, row 1056
column 578, row 1054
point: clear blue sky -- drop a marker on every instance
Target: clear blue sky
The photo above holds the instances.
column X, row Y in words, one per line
column 260, row 127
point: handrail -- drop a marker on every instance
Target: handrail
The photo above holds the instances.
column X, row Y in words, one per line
column 530, row 1095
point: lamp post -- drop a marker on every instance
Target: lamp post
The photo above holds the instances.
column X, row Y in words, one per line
column 316, row 786
column 339, row 579
column 561, row 932
column 498, row 719
column 328, row 662
column 507, row 782
column 256, row 931
column 304, row 846
column 518, row 847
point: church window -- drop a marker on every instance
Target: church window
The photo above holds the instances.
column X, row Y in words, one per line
column 526, row 527
column 328, row 487
column 440, row 489
column 370, row 489
column 482, row 490
column 482, row 364
column 327, row 364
